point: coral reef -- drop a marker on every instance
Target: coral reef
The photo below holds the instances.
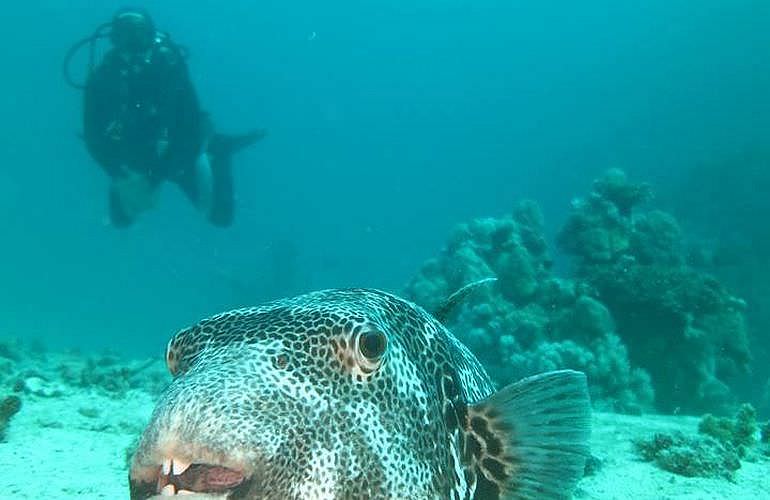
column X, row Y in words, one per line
column 528, row 321
column 53, row 375
column 112, row 376
column 511, row 248
column 739, row 432
column 689, row 456
column 9, row 406
column 717, row 452
column 678, row 323
column 634, row 316
column 86, row 385
column 726, row 216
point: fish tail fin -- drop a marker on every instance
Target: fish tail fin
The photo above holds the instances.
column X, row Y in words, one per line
column 531, row 437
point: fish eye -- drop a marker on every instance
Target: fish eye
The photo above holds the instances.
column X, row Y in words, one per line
column 372, row 344
column 172, row 361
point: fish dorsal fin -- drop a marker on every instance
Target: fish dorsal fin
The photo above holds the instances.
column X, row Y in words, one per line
column 442, row 311
column 530, row 439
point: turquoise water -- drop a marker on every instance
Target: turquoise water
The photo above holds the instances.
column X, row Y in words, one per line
column 389, row 124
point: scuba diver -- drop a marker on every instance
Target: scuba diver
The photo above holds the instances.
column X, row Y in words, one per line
column 143, row 124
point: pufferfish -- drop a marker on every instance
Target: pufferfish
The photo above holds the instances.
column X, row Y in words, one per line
column 353, row 394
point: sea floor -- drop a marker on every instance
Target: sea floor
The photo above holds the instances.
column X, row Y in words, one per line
column 80, row 416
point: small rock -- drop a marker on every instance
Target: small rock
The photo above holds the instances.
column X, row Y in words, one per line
column 40, row 387
column 89, row 412
column 593, row 466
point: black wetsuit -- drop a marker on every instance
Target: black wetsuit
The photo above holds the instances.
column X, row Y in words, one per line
column 130, row 103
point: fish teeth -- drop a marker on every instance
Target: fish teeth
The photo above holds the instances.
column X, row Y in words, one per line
column 179, row 466
column 174, row 466
column 168, row 491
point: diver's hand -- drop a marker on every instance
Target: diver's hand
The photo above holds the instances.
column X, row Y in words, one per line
column 161, row 146
column 258, row 134
column 135, row 192
column 114, row 131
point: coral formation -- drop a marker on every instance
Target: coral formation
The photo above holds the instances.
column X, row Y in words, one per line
column 49, row 375
column 723, row 443
column 679, row 324
column 112, row 377
column 529, row 321
column 9, row 406
column 640, row 322
column 739, row 432
column 726, row 219
column 689, row 456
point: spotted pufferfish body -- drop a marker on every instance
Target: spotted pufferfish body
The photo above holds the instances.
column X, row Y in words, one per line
column 352, row 394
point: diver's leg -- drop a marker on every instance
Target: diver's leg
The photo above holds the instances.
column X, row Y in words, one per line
column 195, row 182
column 209, row 187
column 131, row 195
column 223, row 204
column 118, row 215
column 204, row 180
column 209, row 184
column 221, row 149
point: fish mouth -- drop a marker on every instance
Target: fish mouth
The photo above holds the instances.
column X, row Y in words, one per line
column 191, row 480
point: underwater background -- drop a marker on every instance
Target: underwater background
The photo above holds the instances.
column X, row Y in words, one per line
column 389, row 124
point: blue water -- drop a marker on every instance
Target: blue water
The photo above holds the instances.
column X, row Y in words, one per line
column 389, row 123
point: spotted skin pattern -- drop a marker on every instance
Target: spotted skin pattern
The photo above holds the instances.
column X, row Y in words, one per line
column 284, row 393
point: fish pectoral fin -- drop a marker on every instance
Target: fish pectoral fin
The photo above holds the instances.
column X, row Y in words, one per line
column 531, row 437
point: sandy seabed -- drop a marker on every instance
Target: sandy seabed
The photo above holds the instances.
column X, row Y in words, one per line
column 75, row 445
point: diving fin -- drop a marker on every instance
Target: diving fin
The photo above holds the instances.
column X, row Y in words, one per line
column 530, row 439
column 227, row 144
